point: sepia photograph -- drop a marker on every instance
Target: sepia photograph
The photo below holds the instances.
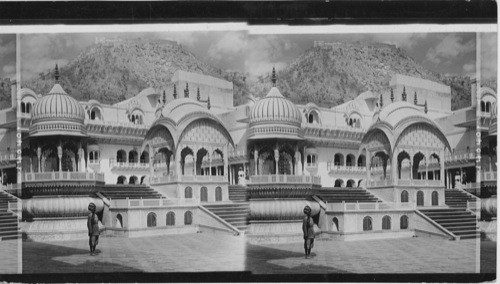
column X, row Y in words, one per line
column 282, row 152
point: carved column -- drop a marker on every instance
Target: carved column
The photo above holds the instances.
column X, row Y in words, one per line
column 441, row 162
column 151, row 159
column 178, row 161
column 368, row 164
column 394, row 167
column 256, row 160
column 39, row 155
column 226, row 161
column 59, row 155
column 276, row 158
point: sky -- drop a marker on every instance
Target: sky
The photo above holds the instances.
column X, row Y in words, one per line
column 447, row 53
column 8, row 56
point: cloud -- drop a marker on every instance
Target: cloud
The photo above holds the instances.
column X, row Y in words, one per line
column 406, row 40
column 7, row 48
column 9, row 71
column 449, row 48
column 255, row 54
column 489, row 56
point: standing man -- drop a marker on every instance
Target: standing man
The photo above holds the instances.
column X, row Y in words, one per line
column 308, row 230
column 93, row 227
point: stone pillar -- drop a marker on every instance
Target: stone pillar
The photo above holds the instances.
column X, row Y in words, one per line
column 226, row 161
column 394, row 167
column 151, row 160
column 256, row 160
column 245, row 169
column 368, row 164
column 297, row 158
column 441, row 162
column 59, row 155
column 39, row 155
column 178, row 162
column 31, row 164
column 210, row 162
column 276, row 159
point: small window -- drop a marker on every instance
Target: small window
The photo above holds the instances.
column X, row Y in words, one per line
column 188, row 218
column 335, row 224
column 403, row 224
column 309, row 159
column 188, row 192
column 435, row 198
column 367, row 223
column 204, row 194
column 386, row 223
column 404, row 196
column 119, row 221
column 170, row 218
column 218, row 194
column 420, row 198
column 151, row 220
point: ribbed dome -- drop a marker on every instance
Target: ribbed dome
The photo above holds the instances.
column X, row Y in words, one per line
column 275, row 116
column 58, row 104
column 55, row 112
column 274, row 107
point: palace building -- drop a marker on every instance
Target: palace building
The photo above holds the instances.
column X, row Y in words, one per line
column 186, row 160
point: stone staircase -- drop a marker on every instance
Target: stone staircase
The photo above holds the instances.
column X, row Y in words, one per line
column 338, row 195
column 235, row 214
column 456, row 220
column 456, row 198
column 132, row 191
column 238, row 193
column 9, row 223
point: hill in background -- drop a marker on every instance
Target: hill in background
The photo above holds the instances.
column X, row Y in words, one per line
column 327, row 74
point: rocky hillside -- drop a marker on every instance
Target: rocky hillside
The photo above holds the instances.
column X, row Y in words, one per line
column 5, row 100
column 332, row 74
column 326, row 75
column 111, row 72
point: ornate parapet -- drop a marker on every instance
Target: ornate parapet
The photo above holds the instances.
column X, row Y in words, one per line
column 63, row 176
column 284, row 179
column 156, row 180
column 405, row 182
column 128, row 166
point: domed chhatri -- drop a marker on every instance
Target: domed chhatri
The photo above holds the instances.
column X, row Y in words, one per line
column 275, row 116
column 57, row 113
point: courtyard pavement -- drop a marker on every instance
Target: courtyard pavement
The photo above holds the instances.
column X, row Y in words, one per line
column 219, row 253
column 9, row 257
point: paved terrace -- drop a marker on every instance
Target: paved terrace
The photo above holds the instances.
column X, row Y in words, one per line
column 210, row 252
column 9, row 256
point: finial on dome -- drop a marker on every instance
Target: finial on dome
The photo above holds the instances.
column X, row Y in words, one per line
column 381, row 101
column 273, row 77
column 198, row 96
column 415, row 100
column 392, row 95
column 56, row 74
column 208, row 102
column 425, row 107
column 164, row 98
column 175, row 92
column 404, row 94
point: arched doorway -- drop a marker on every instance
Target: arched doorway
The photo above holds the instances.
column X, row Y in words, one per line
column 121, row 180
column 218, row 193
column 435, row 198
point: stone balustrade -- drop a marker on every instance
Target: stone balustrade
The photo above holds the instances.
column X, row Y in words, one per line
column 285, row 179
column 370, row 206
column 489, row 176
column 63, row 176
column 198, row 178
column 348, row 169
column 116, row 123
column 404, row 182
column 6, row 156
column 460, row 155
column 142, row 203
column 113, row 164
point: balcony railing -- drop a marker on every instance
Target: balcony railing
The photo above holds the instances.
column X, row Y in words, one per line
column 198, row 178
column 462, row 155
column 5, row 157
column 113, row 164
column 137, row 203
column 370, row 206
column 348, row 169
column 115, row 123
column 63, row 176
column 489, row 176
column 404, row 182
column 285, row 179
